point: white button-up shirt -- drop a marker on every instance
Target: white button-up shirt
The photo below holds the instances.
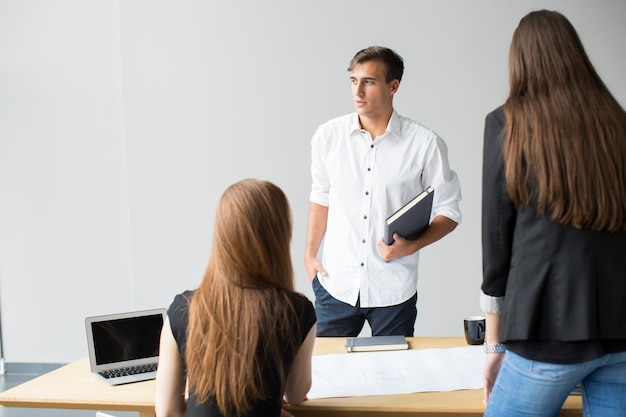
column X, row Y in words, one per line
column 362, row 182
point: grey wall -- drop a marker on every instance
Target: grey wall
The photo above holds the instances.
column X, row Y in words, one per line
column 121, row 123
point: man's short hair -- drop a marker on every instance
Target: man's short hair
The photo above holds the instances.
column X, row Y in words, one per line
column 393, row 61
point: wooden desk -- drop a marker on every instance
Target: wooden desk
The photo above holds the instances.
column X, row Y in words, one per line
column 466, row 403
column 73, row 387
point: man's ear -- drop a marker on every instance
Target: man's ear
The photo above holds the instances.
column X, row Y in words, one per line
column 395, row 84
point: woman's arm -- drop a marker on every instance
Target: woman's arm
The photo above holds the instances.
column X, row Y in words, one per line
column 170, row 378
column 299, row 378
column 498, row 211
column 498, row 225
column 493, row 360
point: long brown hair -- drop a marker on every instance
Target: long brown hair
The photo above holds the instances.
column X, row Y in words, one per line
column 565, row 136
column 240, row 316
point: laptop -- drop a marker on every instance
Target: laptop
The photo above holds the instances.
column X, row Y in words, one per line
column 124, row 347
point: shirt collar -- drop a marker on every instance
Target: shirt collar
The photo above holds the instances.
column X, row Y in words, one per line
column 394, row 125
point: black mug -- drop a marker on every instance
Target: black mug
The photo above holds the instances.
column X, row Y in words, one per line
column 474, row 327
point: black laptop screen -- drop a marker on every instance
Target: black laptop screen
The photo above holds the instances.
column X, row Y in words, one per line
column 126, row 339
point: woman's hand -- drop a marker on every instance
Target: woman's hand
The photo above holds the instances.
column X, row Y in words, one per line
column 285, row 413
column 493, row 361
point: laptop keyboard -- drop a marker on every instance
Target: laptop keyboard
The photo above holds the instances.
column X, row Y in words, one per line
column 131, row 370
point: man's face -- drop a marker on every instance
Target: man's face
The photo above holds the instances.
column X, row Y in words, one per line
column 371, row 93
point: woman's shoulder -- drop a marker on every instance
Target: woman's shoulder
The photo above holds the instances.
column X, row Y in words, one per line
column 299, row 299
column 180, row 304
column 184, row 298
column 497, row 115
column 304, row 308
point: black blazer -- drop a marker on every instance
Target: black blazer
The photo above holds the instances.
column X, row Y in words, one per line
column 559, row 283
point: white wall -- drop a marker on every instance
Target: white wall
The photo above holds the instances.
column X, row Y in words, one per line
column 121, row 123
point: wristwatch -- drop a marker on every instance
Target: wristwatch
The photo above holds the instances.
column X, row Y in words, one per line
column 497, row 348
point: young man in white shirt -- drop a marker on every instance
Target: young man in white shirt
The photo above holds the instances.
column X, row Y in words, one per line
column 365, row 166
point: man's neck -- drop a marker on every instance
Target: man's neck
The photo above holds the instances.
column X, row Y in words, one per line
column 375, row 126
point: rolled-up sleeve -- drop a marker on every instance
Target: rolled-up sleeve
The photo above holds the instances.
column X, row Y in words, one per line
column 438, row 174
column 489, row 304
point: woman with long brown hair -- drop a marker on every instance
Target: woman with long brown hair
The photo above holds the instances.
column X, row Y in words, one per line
column 243, row 340
column 554, row 231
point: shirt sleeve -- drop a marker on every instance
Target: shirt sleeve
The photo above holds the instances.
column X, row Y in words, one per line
column 319, row 174
column 178, row 314
column 498, row 211
column 306, row 314
column 489, row 304
column 437, row 173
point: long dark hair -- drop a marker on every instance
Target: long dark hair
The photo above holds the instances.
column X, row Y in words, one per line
column 565, row 137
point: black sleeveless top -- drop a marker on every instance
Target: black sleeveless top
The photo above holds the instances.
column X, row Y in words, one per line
column 178, row 314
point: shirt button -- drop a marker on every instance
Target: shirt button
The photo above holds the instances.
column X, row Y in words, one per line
column 367, row 193
column 362, row 264
column 372, row 146
column 365, row 217
column 363, row 241
column 369, row 169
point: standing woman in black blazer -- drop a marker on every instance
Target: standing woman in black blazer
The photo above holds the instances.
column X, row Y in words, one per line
column 554, row 231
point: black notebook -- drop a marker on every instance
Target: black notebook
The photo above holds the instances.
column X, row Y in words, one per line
column 412, row 219
column 365, row 344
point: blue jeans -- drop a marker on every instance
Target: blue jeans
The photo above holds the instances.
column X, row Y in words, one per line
column 338, row 319
column 528, row 388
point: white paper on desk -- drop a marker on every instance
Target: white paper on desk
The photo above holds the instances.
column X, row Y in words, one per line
column 397, row 372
